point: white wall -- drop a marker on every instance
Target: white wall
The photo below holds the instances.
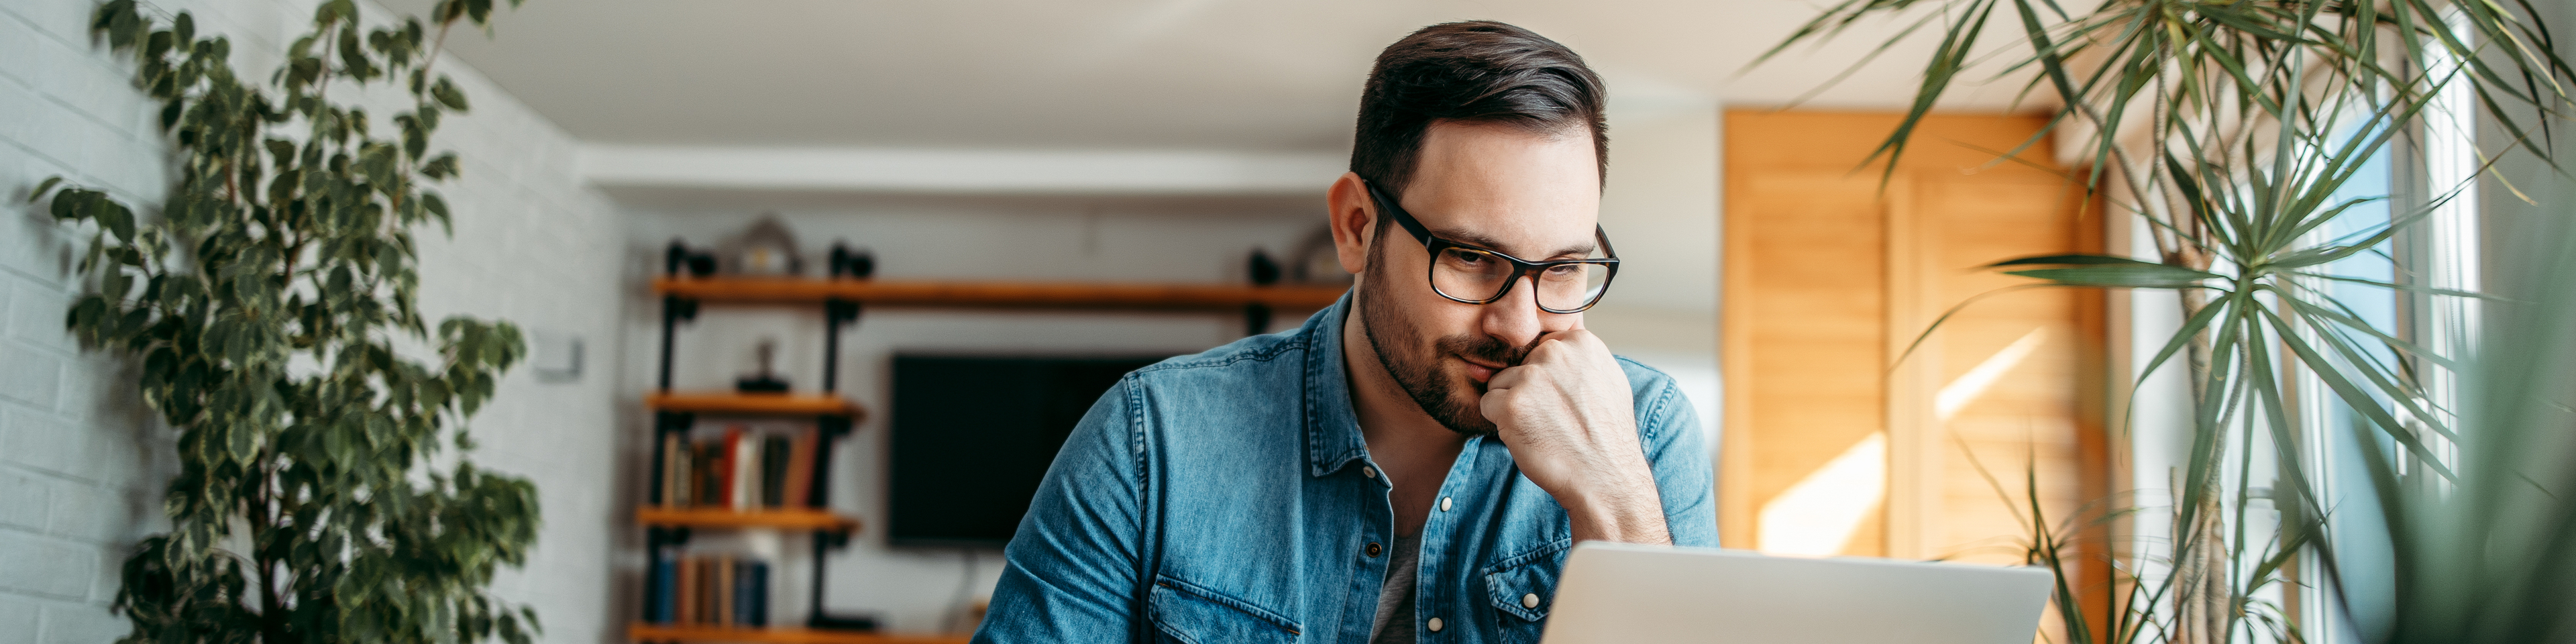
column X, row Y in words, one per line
column 1661, row 211
column 81, row 463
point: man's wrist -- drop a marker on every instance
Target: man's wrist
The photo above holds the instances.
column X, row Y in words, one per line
column 1630, row 510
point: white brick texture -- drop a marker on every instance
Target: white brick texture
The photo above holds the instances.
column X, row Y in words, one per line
column 83, row 463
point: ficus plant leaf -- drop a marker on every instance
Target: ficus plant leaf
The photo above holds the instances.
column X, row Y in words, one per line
column 265, row 306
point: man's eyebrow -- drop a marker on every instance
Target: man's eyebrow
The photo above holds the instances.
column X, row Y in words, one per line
column 1489, row 243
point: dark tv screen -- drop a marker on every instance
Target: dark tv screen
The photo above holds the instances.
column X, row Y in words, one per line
column 972, row 435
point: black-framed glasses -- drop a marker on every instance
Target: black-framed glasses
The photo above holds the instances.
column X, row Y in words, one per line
column 1474, row 275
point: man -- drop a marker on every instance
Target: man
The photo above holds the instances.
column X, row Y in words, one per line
column 1414, row 463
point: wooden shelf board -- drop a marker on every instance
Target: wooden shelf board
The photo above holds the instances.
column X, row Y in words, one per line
column 673, row 633
column 727, row 402
column 1018, row 295
column 796, row 519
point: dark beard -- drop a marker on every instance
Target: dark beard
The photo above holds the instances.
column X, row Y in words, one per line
column 1419, row 369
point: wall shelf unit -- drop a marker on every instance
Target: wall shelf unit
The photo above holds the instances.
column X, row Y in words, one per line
column 730, row 403
column 1001, row 294
column 780, row 519
column 663, row 633
column 840, row 297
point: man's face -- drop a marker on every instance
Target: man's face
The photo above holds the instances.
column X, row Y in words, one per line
column 1532, row 196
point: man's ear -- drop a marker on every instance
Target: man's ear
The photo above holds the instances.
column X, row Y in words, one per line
column 1354, row 221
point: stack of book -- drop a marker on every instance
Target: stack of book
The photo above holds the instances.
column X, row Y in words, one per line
column 708, row 590
column 742, row 471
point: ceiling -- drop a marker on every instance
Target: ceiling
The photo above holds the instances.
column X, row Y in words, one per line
column 1240, row 75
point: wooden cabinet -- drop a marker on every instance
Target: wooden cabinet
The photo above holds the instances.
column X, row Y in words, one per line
column 1833, row 270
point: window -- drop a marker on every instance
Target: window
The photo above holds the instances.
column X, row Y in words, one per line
column 2432, row 174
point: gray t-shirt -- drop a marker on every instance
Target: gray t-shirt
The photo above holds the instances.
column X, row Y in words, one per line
column 1395, row 600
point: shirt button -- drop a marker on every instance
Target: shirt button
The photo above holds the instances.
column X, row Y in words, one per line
column 1529, row 600
column 1373, row 549
column 1434, row 625
column 1444, row 504
column 1367, row 471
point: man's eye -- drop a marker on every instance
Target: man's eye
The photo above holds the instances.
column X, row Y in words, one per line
column 1564, row 271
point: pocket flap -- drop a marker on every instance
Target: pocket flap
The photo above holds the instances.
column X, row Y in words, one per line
column 1198, row 615
column 1525, row 586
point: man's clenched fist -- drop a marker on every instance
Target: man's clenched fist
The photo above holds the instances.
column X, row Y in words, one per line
column 1571, row 424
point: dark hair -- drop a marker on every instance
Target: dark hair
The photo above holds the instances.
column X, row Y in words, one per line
column 1480, row 72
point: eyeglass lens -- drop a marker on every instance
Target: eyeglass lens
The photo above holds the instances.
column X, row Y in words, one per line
column 1470, row 274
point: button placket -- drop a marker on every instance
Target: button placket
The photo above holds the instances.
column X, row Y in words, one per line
column 1437, row 527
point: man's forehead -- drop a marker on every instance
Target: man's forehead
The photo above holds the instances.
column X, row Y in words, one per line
column 1529, row 194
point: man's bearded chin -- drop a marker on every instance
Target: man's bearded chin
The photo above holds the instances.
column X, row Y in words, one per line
column 1440, row 387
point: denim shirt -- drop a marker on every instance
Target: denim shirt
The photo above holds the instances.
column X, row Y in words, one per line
column 1227, row 497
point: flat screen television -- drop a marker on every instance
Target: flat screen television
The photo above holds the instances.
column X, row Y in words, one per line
column 973, row 434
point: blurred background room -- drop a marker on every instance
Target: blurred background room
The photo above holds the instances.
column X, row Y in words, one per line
column 807, row 287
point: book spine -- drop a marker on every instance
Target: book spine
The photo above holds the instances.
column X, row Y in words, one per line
column 709, row 583
column 760, row 593
column 707, row 465
column 726, row 476
column 685, row 593
column 659, row 489
column 746, row 473
column 773, row 472
column 723, row 595
column 678, row 485
column 800, row 469
column 742, row 589
column 662, row 594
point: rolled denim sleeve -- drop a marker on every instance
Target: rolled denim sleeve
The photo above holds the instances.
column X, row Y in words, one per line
column 1069, row 572
column 1677, row 449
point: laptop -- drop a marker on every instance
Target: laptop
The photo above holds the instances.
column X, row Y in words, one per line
column 1633, row 594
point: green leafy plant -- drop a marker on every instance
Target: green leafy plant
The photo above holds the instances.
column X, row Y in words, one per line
column 271, row 308
column 2233, row 128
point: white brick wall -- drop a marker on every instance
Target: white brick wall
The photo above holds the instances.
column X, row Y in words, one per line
column 81, row 464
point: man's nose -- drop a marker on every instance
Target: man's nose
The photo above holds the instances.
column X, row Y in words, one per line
column 1515, row 319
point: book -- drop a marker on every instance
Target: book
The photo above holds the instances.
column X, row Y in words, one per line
column 773, row 471
column 708, row 585
column 759, row 594
column 723, row 596
column 704, row 470
column 730, row 452
column 665, row 457
column 746, row 472
column 675, row 480
column 742, row 591
column 685, row 592
column 800, row 470
column 658, row 587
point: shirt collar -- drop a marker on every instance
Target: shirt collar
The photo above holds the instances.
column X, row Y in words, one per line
column 1333, row 437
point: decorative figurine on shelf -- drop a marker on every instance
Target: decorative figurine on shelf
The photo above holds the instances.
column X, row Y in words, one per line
column 766, row 249
column 767, row 381
column 1263, row 270
column 852, row 263
column 679, row 257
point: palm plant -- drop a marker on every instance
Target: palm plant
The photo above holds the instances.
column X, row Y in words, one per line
column 2235, row 129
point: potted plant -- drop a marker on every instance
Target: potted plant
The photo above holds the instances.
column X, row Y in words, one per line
column 270, row 306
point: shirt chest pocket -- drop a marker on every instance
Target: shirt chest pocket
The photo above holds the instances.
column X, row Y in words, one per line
column 1522, row 588
column 1189, row 614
